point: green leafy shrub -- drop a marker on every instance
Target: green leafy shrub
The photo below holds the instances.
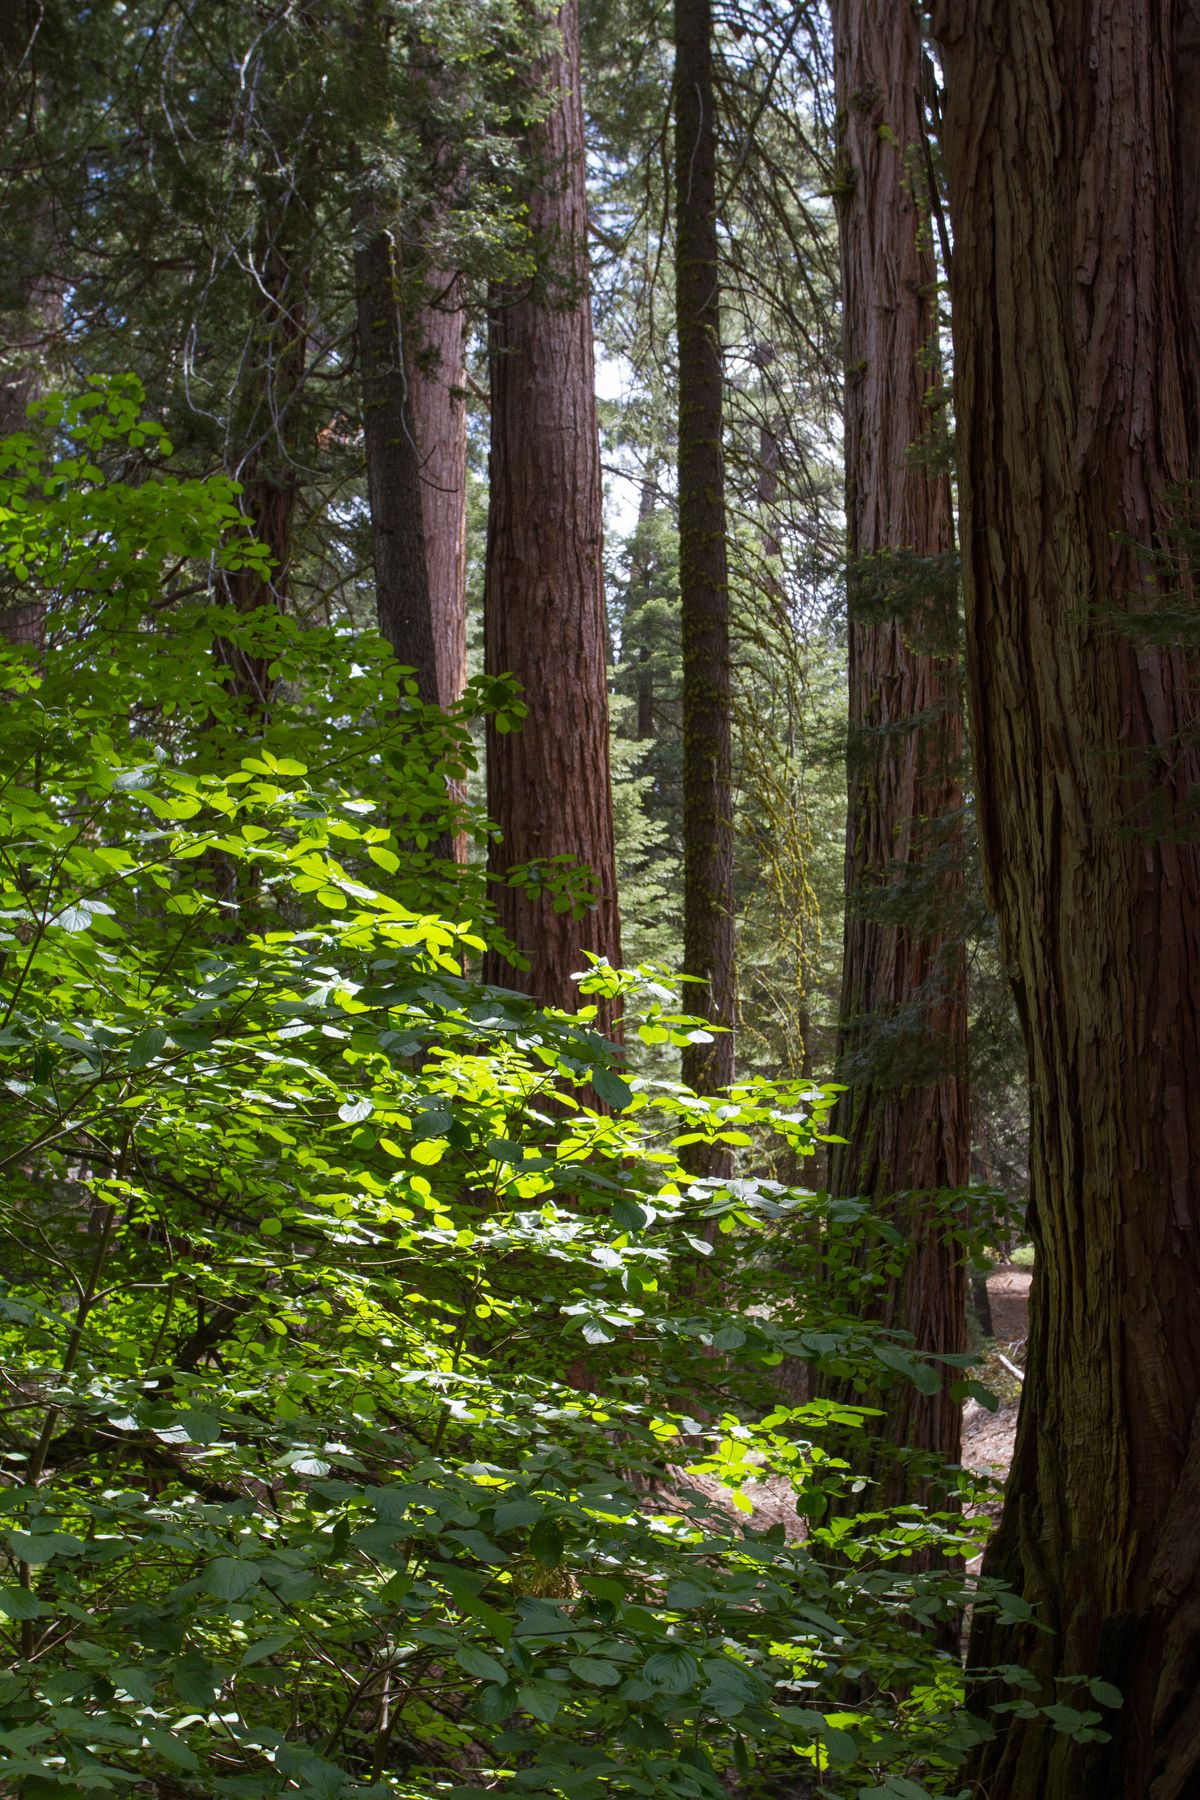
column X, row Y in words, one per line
column 383, row 1415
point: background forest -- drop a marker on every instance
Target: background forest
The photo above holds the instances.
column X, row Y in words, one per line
column 598, row 819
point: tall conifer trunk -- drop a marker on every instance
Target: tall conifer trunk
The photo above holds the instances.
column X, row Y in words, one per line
column 393, row 456
column 264, row 458
column 544, row 617
column 1073, row 176
column 634, row 648
column 708, row 900
column 266, row 431
column 411, row 336
column 31, row 294
column 903, row 1010
column 439, row 423
column 439, row 416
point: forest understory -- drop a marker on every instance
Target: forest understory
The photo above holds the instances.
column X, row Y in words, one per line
column 599, row 760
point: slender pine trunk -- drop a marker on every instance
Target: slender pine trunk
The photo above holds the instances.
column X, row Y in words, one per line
column 634, row 648
column 439, row 419
column 708, row 897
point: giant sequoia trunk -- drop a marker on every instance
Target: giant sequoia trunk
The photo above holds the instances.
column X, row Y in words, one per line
column 708, row 905
column 544, row 619
column 903, row 1009
column 1072, row 167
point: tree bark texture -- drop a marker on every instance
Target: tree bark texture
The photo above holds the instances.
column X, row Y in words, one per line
column 634, row 648
column 31, row 293
column 549, row 787
column 395, row 483
column 439, row 418
column 902, row 1038
column 1072, row 151
column 266, row 433
column 708, row 900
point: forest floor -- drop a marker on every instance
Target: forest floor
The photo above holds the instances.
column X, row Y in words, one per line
column 987, row 1438
column 987, row 1441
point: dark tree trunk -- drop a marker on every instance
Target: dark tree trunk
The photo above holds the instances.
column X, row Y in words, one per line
column 266, row 433
column 411, row 332
column 981, row 1303
column 439, row 417
column 31, row 296
column 634, row 649
column 902, row 1047
column 708, row 900
column 394, row 464
column 548, row 784
column 1072, row 159
column 769, row 460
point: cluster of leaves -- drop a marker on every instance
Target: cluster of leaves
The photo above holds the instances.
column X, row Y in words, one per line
column 384, row 1409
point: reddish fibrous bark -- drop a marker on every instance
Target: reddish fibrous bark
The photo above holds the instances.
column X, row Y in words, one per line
column 1071, row 159
column 903, row 1009
column 709, row 951
column 544, row 616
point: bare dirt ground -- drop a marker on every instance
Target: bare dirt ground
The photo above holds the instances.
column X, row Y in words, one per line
column 1008, row 1291
column 987, row 1436
column 987, row 1440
